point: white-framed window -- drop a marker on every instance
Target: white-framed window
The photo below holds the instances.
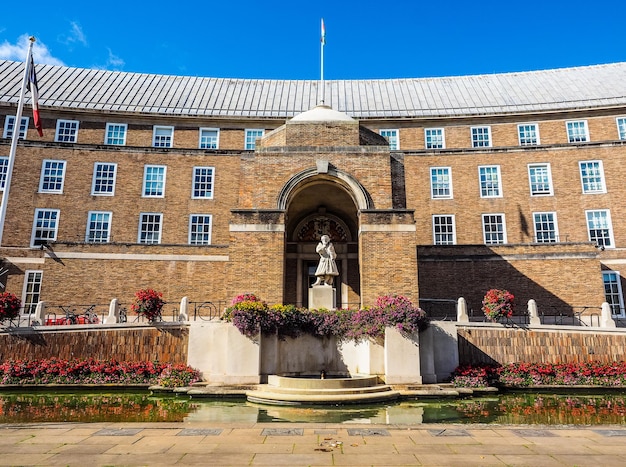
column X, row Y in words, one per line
column 4, row 168
column 540, row 179
column 592, row 177
column 251, row 137
column 52, row 176
column 613, row 292
column 444, row 232
column 621, row 127
column 600, row 227
column 528, row 134
column 200, row 229
column 489, row 176
column 481, row 136
column 67, row 131
column 434, row 138
column 577, row 131
column 441, row 182
column 115, row 134
column 9, row 126
column 209, row 138
column 393, row 138
column 163, row 136
column 98, row 227
column 494, row 229
column 104, row 174
column 45, row 226
column 154, row 181
column 31, row 293
column 203, row 182
column 150, row 226
column 546, row 229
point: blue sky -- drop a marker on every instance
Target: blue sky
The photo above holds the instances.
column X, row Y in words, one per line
column 280, row 39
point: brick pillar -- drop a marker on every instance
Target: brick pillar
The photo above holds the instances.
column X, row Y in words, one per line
column 387, row 254
column 257, row 245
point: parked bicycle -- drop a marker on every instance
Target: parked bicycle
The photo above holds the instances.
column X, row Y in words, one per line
column 71, row 317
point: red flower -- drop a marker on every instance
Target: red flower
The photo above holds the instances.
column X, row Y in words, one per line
column 9, row 306
column 148, row 302
column 498, row 304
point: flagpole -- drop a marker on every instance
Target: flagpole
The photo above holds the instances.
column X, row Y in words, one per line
column 14, row 139
column 323, row 42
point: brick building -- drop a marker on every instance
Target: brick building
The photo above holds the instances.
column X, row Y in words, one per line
column 435, row 188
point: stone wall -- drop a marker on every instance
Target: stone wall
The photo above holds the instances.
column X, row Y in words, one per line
column 496, row 344
column 166, row 344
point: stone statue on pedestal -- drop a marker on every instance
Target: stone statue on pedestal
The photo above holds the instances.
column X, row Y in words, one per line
column 327, row 268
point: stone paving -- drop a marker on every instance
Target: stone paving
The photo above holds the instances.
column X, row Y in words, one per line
column 215, row 444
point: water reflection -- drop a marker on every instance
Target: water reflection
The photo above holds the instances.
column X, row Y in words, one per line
column 546, row 409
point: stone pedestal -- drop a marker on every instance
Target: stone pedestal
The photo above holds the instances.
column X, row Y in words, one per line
column 322, row 296
column 402, row 358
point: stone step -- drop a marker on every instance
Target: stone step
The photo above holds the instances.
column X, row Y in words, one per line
column 326, row 398
column 303, row 382
column 315, row 391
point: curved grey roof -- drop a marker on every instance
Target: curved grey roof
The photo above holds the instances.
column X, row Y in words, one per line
column 535, row 91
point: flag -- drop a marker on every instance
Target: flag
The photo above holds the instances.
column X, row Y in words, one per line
column 34, row 91
column 323, row 33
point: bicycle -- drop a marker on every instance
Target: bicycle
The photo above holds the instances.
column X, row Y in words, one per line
column 88, row 317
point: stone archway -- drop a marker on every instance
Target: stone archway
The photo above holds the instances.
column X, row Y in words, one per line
column 320, row 204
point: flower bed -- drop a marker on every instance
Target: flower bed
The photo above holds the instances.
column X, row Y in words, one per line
column 541, row 374
column 55, row 371
column 253, row 316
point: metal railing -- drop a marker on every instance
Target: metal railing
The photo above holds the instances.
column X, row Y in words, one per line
column 207, row 311
column 439, row 309
column 169, row 313
column 75, row 314
column 436, row 309
column 444, row 309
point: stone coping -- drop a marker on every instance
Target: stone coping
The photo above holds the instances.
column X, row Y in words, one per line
column 119, row 387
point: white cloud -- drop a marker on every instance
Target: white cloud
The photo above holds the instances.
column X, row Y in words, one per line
column 114, row 61
column 78, row 33
column 74, row 36
column 17, row 51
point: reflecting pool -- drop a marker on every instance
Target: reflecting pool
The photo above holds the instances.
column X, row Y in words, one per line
column 511, row 408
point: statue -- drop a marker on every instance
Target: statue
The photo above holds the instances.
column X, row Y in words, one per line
column 327, row 268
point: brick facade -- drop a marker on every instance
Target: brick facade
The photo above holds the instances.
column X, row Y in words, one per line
column 340, row 168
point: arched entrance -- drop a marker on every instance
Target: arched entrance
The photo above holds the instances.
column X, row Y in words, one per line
column 320, row 204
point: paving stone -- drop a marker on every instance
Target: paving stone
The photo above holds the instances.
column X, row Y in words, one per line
column 313, row 444
column 610, row 432
column 592, row 461
column 118, row 432
column 527, row 460
column 531, row 433
column 368, row 432
column 449, row 432
column 199, row 432
column 282, row 432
